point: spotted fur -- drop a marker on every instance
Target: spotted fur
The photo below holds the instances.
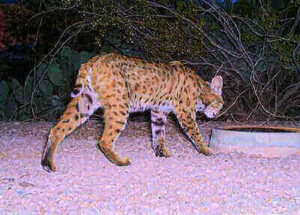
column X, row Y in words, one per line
column 121, row 85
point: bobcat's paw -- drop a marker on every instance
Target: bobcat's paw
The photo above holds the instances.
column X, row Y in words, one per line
column 122, row 161
column 162, row 152
column 48, row 159
column 114, row 157
column 206, row 150
column 48, row 163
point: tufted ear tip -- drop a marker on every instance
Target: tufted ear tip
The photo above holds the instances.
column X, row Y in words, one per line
column 218, row 78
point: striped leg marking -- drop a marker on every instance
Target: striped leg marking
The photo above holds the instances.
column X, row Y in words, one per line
column 158, row 122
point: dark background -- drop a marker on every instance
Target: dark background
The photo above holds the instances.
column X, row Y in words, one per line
column 253, row 44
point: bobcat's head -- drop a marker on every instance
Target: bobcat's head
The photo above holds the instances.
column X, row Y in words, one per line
column 211, row 101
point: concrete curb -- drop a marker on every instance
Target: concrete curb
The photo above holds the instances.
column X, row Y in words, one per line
column 257, row 140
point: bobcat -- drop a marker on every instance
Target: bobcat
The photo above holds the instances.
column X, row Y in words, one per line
column 121, row 85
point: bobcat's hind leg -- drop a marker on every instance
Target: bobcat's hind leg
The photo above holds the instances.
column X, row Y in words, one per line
column 187, row 120
column 77, row 112
column 158, row 124
column 115, row 121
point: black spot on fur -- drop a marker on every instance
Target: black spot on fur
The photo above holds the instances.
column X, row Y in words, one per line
column 70, row 128
column 123, row 113
column 77, row 107
column 120, row 122
column 118, row 130
column 157, row 132
column 158, row 123
column 76, row 117
column 83, row 115
column 155, row 111
column 66, row 121
column 78, row 85
column 89, row 97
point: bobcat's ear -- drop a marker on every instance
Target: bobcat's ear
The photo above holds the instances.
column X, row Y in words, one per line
column 217, row 84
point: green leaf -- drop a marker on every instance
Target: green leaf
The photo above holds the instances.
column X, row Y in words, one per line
column 4, row 89
column 65, row 53
column 2, row 111
column 55, row 75
column 66, row 89
column 29, row 88
column 46, row 87
column 2, row 114
column 18, row 91
column 106, row 48
column 84, row 56
column 10, row 107
column 40, row 70
column 41, row 102
column 23, row 114
column 55, row 101
column 75, row 61
column 67, row 70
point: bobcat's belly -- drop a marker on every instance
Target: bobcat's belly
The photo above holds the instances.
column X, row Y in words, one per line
column 166, row 107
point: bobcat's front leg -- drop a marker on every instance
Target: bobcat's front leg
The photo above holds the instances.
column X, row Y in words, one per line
column 158, row 124
column 187, row 120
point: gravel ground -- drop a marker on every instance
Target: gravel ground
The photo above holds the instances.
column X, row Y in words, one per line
column 186, row 183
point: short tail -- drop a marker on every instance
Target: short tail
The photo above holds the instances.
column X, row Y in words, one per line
column 82, row 80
